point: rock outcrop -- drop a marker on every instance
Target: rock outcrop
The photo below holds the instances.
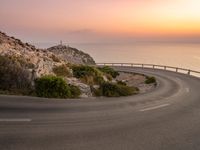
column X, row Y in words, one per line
column 42, row 61
column 71, row 55
column 85, row 89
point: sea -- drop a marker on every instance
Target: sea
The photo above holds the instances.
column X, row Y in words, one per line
column 183, row 55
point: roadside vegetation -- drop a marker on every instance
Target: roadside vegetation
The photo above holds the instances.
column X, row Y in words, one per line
column 50, row 86
column 88, row 74
column 14, row 78
column 92, row 75
column 109, row 71
column 115, row 90
column 150, row 80
column 62, row 71
column 55, row 87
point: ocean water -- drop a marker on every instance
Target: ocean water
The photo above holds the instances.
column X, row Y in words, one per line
column 171, row 54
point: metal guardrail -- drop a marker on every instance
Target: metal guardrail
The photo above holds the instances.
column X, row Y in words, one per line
column 153, row 66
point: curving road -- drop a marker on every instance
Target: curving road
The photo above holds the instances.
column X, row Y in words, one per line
column 166, row 118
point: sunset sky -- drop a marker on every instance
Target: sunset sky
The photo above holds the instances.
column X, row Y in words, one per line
column 100, row 20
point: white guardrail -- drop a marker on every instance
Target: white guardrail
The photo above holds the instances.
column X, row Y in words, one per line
column 153, row 66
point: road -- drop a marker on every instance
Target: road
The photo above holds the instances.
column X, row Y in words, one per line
column 166, row 118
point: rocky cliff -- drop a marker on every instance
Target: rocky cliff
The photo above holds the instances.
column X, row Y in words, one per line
column 71, row 55
column 41, row 61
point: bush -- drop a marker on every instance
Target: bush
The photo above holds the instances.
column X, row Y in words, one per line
column 81, row 71
column 89, row 75
column 55, row 87
column 21, row 61
column 75, row 91
column 13, row 76
column 115, row 90
column 109, row 70
column 52, row 87
column 150, row 80
column 61, row 70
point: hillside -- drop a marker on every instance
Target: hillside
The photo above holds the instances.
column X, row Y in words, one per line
column 41, row 61
column 72, row 55
column 27, row 63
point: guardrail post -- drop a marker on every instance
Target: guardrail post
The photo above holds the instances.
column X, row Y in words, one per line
column 165, row 67
column 153, row 66
column 142, row 65
column 189, row 72
column 176, row 69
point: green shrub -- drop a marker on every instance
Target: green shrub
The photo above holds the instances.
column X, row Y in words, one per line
column 52, row 87
column 115, row 90
column 83, row 70
column 109, row 77
column 89, row 75
column 109, row 70
column 55, row 87
column 75, row 91
column 13, row 76
column 150, row 80
column 62, row 70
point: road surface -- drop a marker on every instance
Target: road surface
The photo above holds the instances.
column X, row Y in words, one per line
column 166, row 118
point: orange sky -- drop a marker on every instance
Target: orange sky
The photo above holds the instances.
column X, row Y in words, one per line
column 94, row 20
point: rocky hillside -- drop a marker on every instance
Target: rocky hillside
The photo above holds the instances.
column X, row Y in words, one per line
column 41, row 61
column 72, row 55
column 24, row 57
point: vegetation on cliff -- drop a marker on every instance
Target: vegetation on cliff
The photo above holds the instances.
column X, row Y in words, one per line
column 55, row 87
column 88, row 74
column 150, row 80
column 62, row 70
column 109, row 71
column 96, row 75
column 13, row 76
column 115, row 90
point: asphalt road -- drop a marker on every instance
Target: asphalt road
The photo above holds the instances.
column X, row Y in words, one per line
column 166, row 118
